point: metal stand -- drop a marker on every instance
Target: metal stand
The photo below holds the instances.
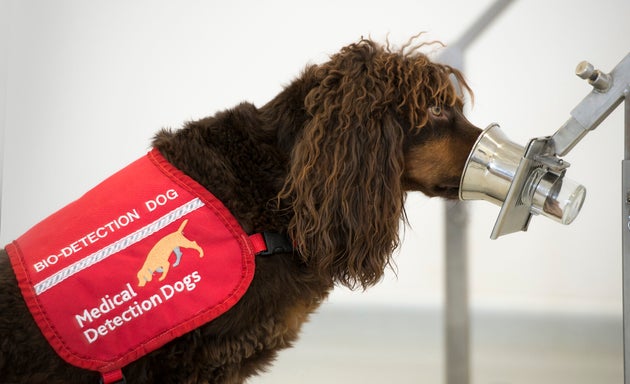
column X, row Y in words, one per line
column 456, row 313
column 625, row 243
column 609, row 90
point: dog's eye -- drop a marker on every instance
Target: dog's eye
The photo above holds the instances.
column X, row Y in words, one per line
column 436, row 110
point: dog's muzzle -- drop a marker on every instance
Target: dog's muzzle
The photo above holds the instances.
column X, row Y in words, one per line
column 522, row 180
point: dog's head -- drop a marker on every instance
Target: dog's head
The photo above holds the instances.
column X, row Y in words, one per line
column 380, row 123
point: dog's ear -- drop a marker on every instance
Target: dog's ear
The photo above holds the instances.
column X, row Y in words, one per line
column 344, row 182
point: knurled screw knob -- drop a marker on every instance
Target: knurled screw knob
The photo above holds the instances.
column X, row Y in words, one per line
column 598, row 79
column 585, row 70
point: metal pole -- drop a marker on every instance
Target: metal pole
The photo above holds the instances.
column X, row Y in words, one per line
column 625, row 240
column 456, row 312
column 476, row 28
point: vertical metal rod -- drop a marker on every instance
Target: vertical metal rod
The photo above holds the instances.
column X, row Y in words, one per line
column 625, row 239
column 626, row 155
column 456, row 309
column 456, row 313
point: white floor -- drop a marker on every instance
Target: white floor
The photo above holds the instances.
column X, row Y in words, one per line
column 394, row 345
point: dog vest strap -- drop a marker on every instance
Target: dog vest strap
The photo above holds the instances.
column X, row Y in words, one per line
column 271, row 243
column 141, row 259
column 113, row 377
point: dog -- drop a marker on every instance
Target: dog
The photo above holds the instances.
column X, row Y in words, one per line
column 328, row 162
column 157, row 259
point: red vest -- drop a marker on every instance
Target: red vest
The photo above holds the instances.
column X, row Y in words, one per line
column 144, row 257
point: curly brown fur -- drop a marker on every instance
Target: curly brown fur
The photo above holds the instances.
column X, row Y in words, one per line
column 328, row 161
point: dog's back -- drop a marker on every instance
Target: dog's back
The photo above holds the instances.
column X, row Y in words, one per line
column 266, row 319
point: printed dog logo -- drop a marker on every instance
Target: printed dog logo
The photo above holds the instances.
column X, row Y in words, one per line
column 157, row 259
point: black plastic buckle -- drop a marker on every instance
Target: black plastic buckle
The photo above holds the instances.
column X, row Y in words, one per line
column 276, row 243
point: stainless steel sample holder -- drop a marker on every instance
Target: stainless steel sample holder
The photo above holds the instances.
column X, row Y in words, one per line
column 609, row 90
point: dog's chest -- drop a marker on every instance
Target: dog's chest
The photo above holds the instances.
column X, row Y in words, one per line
column 142, row 258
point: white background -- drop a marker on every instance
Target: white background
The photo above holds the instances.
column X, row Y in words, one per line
column 85, row 84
